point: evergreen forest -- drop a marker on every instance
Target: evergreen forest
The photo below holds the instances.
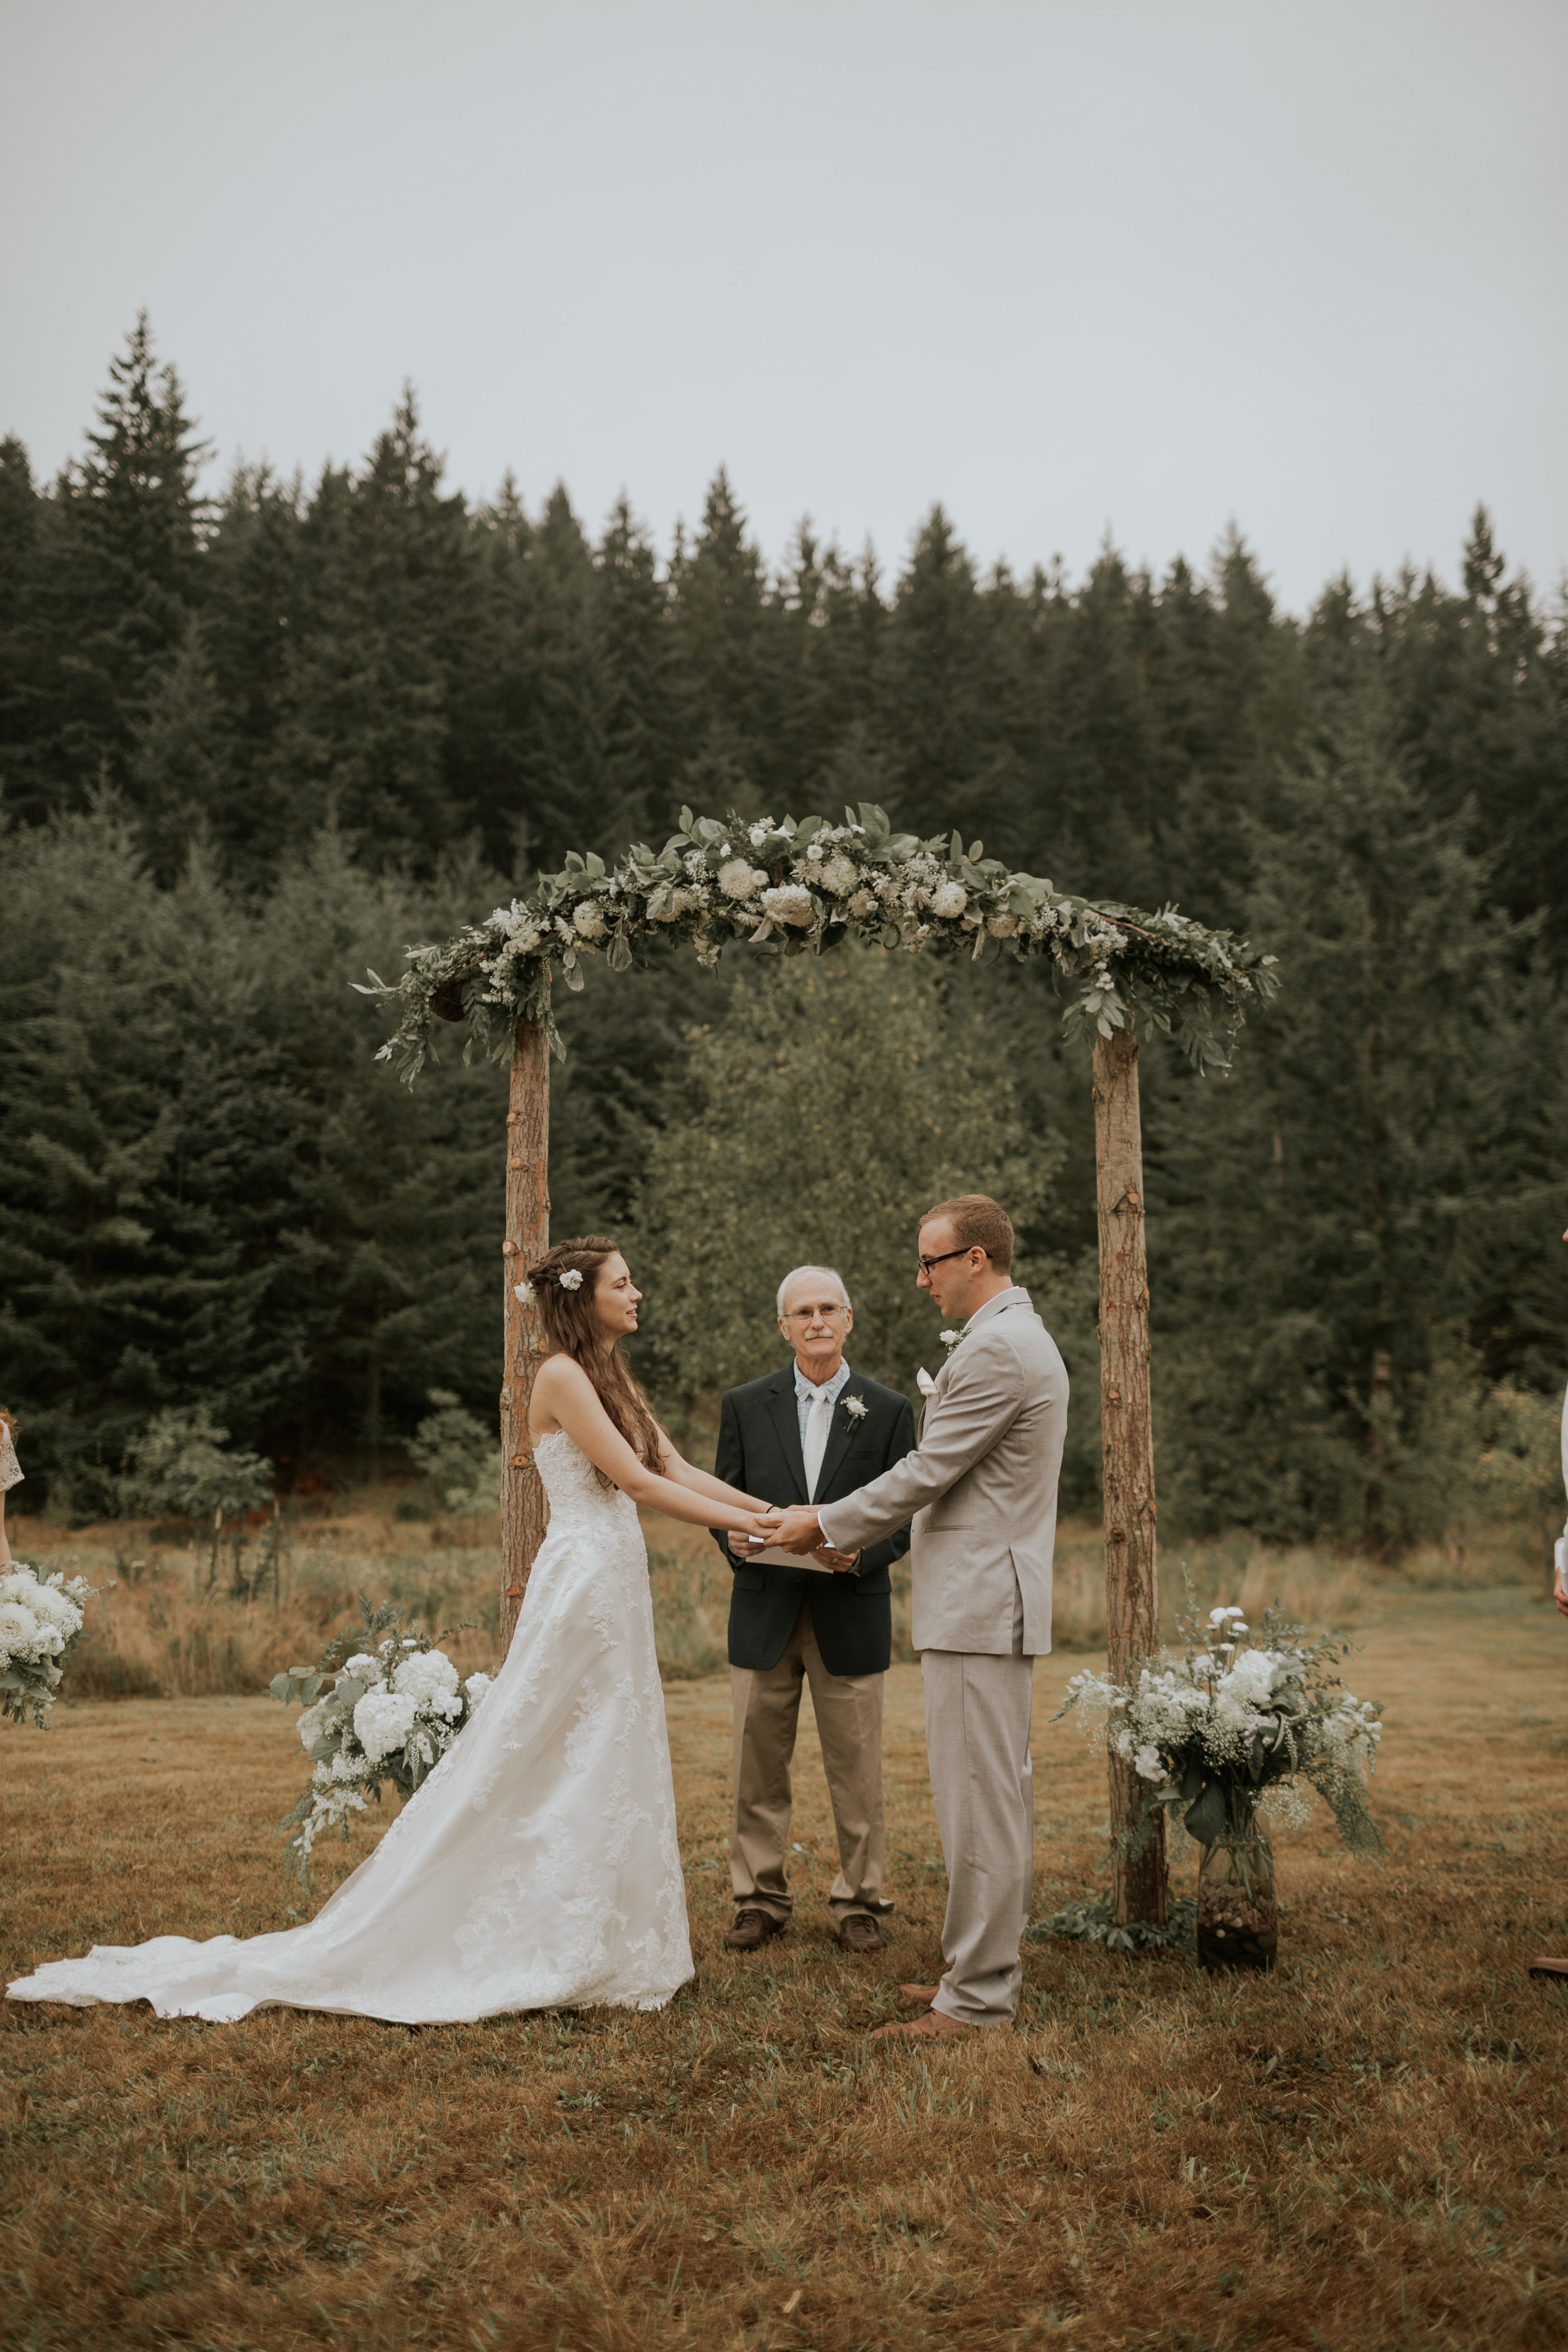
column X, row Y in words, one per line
column 254, row 745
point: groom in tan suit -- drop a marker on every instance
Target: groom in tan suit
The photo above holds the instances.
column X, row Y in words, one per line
column 982, row 1486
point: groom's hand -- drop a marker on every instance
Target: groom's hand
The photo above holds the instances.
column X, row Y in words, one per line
column 795, row 1531
column 841, row 1562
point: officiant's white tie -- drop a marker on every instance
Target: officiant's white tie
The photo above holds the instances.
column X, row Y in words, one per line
column 818, row 1412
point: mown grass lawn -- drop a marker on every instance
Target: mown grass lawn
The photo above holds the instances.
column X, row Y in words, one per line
column 1364, row 2149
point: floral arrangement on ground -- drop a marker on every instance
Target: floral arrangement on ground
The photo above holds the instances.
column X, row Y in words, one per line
column 389, row 1712
column 1228, row 1735
column 806, row 886
column 41, row 1619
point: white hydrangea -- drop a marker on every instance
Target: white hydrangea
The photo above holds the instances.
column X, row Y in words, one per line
column 1146, row 1763
column 588, row 921
column 357, row 1664
column 49, row 1605
column 309, row 1725
column 477, row 1685
column 949, row 898
column 839, row 874
column 789, row 903
column 737, row 878
column 22, row 1636
column 383, row 1722
column 428, row 1674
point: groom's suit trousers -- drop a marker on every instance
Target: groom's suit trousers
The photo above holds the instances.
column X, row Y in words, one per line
column 978, row 1708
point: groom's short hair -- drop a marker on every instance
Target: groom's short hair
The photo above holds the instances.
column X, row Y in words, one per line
column 978, row 1223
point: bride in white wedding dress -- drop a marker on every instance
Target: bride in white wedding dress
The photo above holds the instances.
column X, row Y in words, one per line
column 538, row 1866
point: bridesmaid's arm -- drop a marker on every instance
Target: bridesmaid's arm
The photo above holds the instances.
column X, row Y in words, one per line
column 565, row 1396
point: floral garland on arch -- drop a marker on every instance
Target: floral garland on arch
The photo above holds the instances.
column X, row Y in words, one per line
column 807, row 886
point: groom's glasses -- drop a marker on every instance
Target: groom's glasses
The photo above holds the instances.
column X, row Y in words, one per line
column 926, row 1263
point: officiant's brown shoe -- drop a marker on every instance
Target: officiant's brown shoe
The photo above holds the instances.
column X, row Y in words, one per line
column 752, row 1930
column 921, row 2028
column 922, row 1995
column 1545, row 1968
column 859, row 1932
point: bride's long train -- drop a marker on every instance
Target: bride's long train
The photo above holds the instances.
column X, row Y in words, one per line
column 538, row 1867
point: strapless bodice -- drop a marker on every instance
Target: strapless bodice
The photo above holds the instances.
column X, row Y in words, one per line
column 580, row 1502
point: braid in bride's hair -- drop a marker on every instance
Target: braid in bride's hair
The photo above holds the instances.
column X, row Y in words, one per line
column 572, row 1325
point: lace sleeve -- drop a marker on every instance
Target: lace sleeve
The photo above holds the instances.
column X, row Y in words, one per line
column 10, row 1468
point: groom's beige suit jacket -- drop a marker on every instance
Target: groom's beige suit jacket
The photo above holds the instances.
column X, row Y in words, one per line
column 981, row 1487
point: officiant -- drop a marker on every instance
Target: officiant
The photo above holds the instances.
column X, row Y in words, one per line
column 811, row 1432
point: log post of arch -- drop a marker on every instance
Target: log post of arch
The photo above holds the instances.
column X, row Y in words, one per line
column 522, row 1508
column 1127, row 1438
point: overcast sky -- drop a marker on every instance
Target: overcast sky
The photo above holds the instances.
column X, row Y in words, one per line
column 1072, row 267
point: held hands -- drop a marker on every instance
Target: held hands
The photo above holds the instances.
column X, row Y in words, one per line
column 792, row 1530
column 805, row 1539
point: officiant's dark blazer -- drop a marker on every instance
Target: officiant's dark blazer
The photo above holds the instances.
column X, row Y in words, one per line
column 759, row 1452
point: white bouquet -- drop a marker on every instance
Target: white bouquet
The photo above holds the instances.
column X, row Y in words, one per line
column 388, row 1713
column 1231, row 1724
column 41, row 1618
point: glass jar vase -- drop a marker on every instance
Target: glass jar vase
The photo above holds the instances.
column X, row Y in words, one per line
column 1238, row 1924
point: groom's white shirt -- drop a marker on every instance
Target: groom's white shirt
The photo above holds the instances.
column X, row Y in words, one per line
column 981, row 1487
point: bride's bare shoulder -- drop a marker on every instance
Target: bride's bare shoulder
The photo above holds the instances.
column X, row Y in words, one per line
column 559, row 1382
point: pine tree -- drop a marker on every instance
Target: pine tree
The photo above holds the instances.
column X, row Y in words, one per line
column 124, row 571
column 364, row 741
column 1312, row 1222
column 721, row 625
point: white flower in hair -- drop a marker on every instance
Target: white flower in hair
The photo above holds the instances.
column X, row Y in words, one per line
column 524, row 1293
column 573, row 1278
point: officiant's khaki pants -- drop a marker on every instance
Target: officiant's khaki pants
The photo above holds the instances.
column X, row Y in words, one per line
column 977, row 1746
column 848, row 1709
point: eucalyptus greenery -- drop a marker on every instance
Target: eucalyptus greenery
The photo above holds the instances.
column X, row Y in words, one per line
column 807, row 886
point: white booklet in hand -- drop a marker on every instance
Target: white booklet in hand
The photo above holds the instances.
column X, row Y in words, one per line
column 770, row 1556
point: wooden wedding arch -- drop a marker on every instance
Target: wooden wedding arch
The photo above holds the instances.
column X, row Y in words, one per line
column 807, row 886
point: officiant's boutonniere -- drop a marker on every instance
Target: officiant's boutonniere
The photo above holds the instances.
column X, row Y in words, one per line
column 855, row 1408
column 950, row 1341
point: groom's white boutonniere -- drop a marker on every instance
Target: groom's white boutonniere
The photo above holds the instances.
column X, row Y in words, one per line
column 855, row 1408
column 950, row 1339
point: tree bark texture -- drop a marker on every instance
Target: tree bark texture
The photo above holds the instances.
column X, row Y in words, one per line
column 1127, row 1437
column 522, row 1505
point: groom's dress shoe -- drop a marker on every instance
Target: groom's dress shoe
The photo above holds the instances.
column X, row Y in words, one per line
column 922, row 1995
column 752, row 1929
column 859, row 1932
column 921, row 2029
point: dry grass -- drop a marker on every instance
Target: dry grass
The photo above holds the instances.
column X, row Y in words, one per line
column 1364, row 2150
column 158, row 1631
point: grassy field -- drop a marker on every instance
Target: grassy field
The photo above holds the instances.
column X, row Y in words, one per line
column 1365, row 2149
column 165, row 1626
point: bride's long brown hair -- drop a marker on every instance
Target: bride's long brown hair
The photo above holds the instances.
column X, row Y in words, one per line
column 572, row 1325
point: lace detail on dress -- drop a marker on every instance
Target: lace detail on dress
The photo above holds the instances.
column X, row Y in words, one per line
column 538, row 1866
